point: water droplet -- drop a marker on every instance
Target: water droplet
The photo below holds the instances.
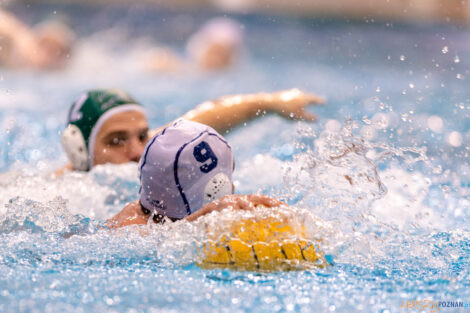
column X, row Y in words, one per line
column 333, row 125
column 437, row 170
column 368, row 132
column 402, row 58
column 380, row 120
column 454, row 139
column 435, row 123
column 411, row 85
column 445, row 49
column 377, row 89
column 456, row 59
column 459, row 76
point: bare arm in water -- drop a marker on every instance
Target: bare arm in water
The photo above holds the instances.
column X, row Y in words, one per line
column 228, row 112
column 133, row 213
column 20, row 44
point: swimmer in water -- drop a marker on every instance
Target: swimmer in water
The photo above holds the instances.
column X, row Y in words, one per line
column 216, row 45
column 109, row 126
column 185, row 173
column 47, row 46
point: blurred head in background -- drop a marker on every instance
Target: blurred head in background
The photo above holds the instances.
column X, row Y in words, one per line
column 217, row 44
column 46, row 46
column 55, row 40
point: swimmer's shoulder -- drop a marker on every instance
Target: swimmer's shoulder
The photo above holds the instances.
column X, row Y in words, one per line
column 131, row 214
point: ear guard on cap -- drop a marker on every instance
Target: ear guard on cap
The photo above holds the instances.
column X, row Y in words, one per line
column 75, row 147
column 218, row 186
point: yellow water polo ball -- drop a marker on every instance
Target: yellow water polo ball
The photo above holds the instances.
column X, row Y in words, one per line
column 260, row 244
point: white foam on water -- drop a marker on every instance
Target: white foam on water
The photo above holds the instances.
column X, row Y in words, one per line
column 263, row 171
column 98, row 194
column 404, row 204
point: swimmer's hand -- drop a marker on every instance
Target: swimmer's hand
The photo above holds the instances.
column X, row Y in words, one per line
column 235, row 202
column 292, row 103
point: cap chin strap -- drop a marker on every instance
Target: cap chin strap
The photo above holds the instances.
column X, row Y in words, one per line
column 218, row 186
column 75, row 148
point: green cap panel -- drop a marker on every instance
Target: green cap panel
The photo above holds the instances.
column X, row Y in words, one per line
column 87, row 110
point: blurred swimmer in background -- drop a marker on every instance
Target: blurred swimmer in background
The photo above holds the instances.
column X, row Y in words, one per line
column 185, row 173
column 46, row 46
column 216, row 45
column 109, row 126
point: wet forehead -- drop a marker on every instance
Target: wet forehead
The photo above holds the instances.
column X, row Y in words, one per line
column 131, row 121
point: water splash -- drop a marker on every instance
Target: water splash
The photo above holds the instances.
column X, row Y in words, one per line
column 370, row 191
column 333, row 175
column 97, row 194
column 27, row 215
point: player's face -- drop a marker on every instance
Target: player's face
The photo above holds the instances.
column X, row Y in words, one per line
column 122, row 138
column 217, row 56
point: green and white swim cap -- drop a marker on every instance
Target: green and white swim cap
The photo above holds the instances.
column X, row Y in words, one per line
column 86, row 117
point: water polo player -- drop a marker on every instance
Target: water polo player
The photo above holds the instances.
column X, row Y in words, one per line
column 109, row 126
column 216, row 45
column 186, row 172
column 46, row 46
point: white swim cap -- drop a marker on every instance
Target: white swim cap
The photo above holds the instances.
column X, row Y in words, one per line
column 220, row 30
column 183, row 167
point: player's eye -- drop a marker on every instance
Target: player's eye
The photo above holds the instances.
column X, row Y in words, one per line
column 143, row 136
column 117, row 141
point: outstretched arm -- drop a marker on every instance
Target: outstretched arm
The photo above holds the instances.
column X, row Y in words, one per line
column 133, row 214
column 21, row 44
column 228, row 112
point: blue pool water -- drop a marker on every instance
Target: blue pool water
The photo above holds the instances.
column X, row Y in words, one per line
column 397, row 122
